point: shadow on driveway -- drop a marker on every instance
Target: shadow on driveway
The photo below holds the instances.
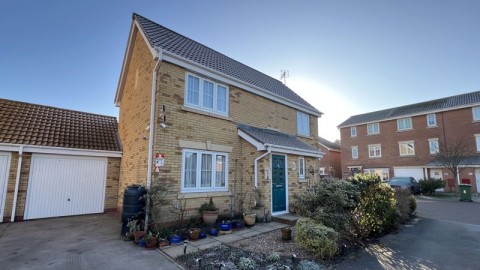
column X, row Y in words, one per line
column 80, row 242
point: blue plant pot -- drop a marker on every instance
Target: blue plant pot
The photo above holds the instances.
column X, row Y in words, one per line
column 226, row 227
column 141, row 243
column 237, row 224
column 213, row 232
column 175, row 239
column 202, row 235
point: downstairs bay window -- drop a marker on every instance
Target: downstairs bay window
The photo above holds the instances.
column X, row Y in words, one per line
column 204, row 171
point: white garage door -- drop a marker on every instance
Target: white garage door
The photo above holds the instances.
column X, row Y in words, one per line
column 4, row 170
column 65, row 186
column 416, row 173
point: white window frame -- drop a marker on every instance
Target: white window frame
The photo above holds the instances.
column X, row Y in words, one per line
column 477, row 140
column 404, row 124
column 377, row 150
column 200, row 105
column 433, row 146
column 198, row 173
column 407, row 145
column 353, row 131
column 321, row 171
column 354, row 152
column 303, row 124
column 373, row 128
column 476, row 113
column 434, row 117
column 301, row 168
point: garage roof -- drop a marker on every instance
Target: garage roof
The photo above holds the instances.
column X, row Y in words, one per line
column 33, row 124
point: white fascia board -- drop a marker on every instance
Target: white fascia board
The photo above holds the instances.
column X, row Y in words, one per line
column 412, row 115
column 294, row 151
column 251, row 140
column 59, row 150
column 134, row 29
column 200, row 69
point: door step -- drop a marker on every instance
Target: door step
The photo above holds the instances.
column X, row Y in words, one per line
column 289, row 219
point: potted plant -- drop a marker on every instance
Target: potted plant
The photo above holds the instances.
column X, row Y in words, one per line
column 209, row 212
column 150, row 240
column 225, row 225
column 249, row 217
column 286, row 233
column 135, row 229
column 194, row 233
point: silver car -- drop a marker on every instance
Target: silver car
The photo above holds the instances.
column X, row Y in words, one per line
column 405, row 182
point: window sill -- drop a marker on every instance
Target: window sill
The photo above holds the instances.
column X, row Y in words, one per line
column 211, row 114
column 404, row 130
column 191, row 195
column 373, row 134
column 432, row 126
column 374, row 157
column 304, row 136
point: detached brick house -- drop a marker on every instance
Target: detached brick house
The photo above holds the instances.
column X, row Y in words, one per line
column 214, row 127
column 56, row 162
column 330, row 164
column 404, row 141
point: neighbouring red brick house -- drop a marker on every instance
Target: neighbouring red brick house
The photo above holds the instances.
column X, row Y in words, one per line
column 330, row 164
column 404, row 141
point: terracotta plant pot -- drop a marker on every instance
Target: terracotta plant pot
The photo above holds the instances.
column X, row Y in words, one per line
column 152, row 244
column 163, row 243
column 194, row 233
column 286, row 233
column 138, row 235
column 210, row 217
column 249, row 219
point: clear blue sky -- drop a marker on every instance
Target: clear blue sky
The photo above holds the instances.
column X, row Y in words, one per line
column 344, row 57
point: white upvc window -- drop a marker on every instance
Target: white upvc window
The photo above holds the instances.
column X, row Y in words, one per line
column 477, row 140
column 476, row 113
column 204, row 171
column 303, row 124
column 353, row 132
column 431, row 120
column 373, row 128
column 374, row 150
column 206, row 95
column 407, row 148
column 354, row 152
column 433, row 146
column 404, row 124
column 321, row 171
column 301, row 168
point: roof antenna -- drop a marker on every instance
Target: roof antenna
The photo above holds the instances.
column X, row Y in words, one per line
column 284, row 75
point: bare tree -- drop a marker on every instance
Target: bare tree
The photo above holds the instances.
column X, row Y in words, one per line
column 453, row 156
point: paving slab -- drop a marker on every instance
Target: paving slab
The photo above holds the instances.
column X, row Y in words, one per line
column 229, row 238
column 202, row 242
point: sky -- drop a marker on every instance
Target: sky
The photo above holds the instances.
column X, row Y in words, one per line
column 343, row 57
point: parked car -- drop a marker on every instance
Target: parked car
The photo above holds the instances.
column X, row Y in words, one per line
column 405, row 182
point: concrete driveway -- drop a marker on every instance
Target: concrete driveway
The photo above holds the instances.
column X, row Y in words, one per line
column 445, row 236
column 80, row 242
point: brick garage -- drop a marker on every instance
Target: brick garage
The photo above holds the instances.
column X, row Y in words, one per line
column 56, row 162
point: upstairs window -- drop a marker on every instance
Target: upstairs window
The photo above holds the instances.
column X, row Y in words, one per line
column 375, row 151
column 477, row 140
column 433, row 146
column 407, row 148
column 206, row 95
column 431, row 120
column 354, row 152
column 373, row 128
column 303, row 124
column 476, row 113
column 353, row 132
column 301, row 168
column 404, row 124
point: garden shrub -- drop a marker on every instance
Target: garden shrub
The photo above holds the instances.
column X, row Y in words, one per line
column 331, row 204
column 429, row 185
column 405, row 204
column 317, row 238
column 376, row 212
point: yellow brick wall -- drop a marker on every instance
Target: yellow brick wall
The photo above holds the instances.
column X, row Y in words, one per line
column 134, row 118
column 111, row 191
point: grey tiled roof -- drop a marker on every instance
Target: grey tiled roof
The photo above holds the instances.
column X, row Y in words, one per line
column 32, row 124
column 328, row 144
column 417, row 108
column 162, row 37
column 276, row 138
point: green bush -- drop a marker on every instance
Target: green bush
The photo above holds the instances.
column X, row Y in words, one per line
column 376, row 212
column 405, row 204
column 429, row 185
column 331, row 204
column 317, row 238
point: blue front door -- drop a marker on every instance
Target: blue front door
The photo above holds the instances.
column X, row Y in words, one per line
column 279, row 191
